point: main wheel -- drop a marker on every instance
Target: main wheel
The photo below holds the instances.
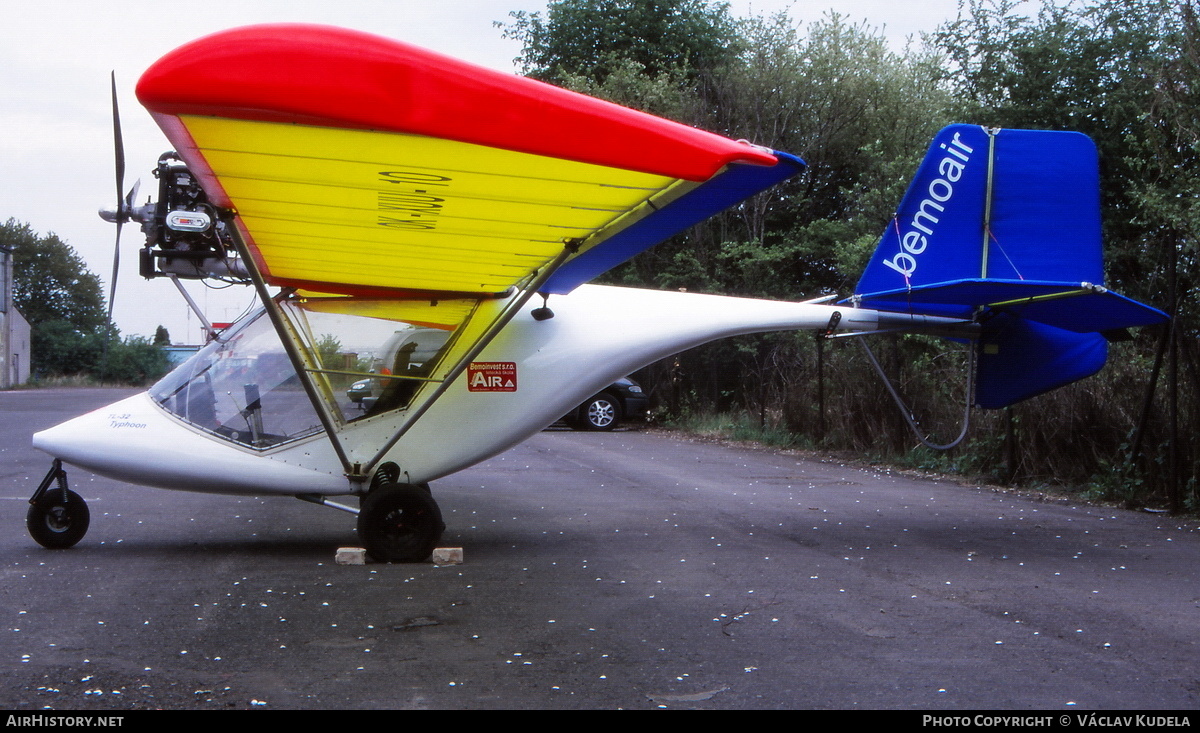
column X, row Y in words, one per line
column 602, row 412
column 56, row 523
column 399, row 523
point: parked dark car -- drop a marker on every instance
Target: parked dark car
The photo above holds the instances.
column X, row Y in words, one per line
column 621, row 400
column 361, row 390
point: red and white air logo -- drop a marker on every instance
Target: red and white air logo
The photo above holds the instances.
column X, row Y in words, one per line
column 492, row 376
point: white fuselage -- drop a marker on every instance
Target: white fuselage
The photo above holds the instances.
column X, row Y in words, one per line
column 597, row 335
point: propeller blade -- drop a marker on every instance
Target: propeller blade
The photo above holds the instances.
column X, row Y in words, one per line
column 131, row 197
column 118, row 143
column 112, row 286
column 122, row 208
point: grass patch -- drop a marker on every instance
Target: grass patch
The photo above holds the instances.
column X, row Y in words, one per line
column 75, row 381
column 737, row 426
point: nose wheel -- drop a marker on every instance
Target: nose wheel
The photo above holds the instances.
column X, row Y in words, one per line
column 57, row 517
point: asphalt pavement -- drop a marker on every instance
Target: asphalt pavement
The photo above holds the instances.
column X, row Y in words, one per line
column 633, row 569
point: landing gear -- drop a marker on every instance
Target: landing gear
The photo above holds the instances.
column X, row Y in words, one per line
column 57, row 517
column 400, row 523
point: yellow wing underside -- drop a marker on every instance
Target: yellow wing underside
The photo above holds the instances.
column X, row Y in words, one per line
column 344, row 210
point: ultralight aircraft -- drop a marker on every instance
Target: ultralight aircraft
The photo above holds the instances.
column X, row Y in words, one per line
column 414, row 220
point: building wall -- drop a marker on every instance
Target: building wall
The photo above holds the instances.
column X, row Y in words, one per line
column 14, row 349
column 18, row 349
column 14, row 330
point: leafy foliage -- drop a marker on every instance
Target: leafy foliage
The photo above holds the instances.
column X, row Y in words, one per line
column 593, row 39
column 51, row 282
column 858, row 114
column 64, row 304
column 1091, row 67
column 1126, row 72
column 133, row 360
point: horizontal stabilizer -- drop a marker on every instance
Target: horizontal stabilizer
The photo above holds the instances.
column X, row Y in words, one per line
column 1077, row 307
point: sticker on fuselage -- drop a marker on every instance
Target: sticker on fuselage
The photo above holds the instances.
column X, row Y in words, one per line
column 492, row 376
column 124, row 420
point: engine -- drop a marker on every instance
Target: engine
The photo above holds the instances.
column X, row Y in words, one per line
column 186, row 236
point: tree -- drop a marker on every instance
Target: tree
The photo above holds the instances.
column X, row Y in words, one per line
column 1127, row 73
column 859, row 114
column 133, row 360
column 70, row 330
column 594, row 38
column 51, row 282
column 1092, row 67
column 61, row 299
column 329, row 351
column 832, row 92
column 1168, row 159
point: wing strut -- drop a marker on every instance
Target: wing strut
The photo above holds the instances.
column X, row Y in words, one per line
column 297, row 356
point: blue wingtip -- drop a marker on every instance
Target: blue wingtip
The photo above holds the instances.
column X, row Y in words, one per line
column 735, row 184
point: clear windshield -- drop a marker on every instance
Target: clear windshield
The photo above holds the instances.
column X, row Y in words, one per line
column 242, row 388
column 371, row 357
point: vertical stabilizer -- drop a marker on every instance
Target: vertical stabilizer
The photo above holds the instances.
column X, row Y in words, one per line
column 1002, row 227
column 994, row 204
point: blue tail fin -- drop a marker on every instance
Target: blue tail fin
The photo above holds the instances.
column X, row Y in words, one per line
column 1003, row 227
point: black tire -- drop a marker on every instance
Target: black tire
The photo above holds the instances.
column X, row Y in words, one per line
column 400, row 523
column 55, row 523
column 602, row 412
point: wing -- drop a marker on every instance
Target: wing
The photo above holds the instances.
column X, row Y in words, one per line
column 361, row 165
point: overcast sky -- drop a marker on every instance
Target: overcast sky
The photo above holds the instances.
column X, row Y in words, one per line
column 56, row 150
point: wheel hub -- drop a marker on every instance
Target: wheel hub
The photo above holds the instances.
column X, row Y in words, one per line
column 58, row 519
column 601, row 413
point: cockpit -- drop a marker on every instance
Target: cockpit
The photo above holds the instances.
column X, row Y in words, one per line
column 366, row 358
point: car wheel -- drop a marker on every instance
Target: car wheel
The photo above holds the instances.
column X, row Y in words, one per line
column 602, row 412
